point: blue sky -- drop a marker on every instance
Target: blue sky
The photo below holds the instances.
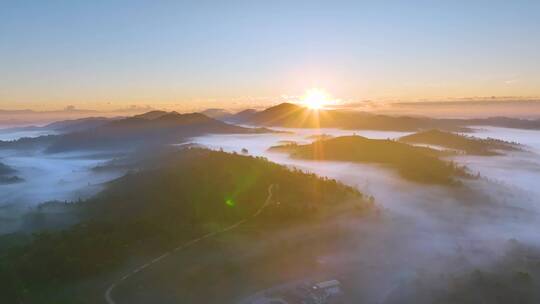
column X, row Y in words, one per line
column 116, row 53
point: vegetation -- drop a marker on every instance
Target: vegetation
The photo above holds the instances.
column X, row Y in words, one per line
column 181, row 197
column 504, row 122
column 5, row 169
column 81, row 124
column 414, row 163
column 295, row 116
column 28, row 143
column 151, row 129
column 320, row 136
column 10, row 179
column 7, row 175
column 154, row 128
column 512, row 278
column 467, row 144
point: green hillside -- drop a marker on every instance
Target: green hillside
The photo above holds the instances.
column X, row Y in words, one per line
column 414, row 163
column 184, row 196
column 467, row 144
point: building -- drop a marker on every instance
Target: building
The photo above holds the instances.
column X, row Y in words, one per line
column 327, row 292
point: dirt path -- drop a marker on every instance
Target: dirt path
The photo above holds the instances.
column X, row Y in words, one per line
column 108, row 293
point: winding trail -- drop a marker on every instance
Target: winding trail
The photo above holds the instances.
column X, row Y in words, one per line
column 108, row 293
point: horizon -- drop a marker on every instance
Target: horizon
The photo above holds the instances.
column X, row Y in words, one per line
column 106, row 56
column 528, row 109
column 251, row 152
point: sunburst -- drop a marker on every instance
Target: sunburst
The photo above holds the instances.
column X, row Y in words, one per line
column 315, row 99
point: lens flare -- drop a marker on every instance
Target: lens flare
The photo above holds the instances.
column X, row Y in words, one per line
column 230, row 203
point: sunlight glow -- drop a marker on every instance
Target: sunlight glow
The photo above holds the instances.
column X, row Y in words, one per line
column 316, row 99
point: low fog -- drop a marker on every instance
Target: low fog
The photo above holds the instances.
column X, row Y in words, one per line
column 427, row 237
column 8, row 134
column 48, row 177
column 422, row 240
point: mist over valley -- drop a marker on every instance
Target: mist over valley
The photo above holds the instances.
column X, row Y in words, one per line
column 421, row 237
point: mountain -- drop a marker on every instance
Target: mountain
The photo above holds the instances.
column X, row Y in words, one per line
column 65, row 126
column 284, row 114
column 417, row 164
column 295, row 116
column 187, row 195
column 220, row 114
column 75, row 125
column 152, row 115
column 27, row 143
column 505, row 122
column 467, row 144
column 241, row 116
column 149, row 129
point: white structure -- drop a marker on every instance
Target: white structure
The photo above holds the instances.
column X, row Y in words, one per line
column 332, row 287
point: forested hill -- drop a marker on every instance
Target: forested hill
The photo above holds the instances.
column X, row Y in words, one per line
column 467, row 144
column 152, row 128
column 414, row 163
column 296, row 116
column 7, row 175
column 4, row 169
column 81, row 124
column 190, row 194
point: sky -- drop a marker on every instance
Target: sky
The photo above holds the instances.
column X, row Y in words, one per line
column 167, row 54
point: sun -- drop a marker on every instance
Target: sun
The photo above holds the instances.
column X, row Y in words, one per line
column 315, row 99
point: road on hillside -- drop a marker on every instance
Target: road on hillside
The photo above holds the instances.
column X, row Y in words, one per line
column 108, row 293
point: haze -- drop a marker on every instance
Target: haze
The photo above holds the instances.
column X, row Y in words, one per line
column 185, row 55
column 246, row 152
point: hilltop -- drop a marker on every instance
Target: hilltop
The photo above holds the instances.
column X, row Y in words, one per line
column 65, row 126
column 154, row 128
column 174, row 199
column 149, row 129
column 296, row 116
column 467, row 144
column 216, row 113
column 417, row 164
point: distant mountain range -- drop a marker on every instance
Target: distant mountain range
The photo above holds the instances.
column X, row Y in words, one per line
column 216, row 113
column 151, row 128
column 65, row 126
column 295, row 116
column 27, row 117
column 161, row 127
